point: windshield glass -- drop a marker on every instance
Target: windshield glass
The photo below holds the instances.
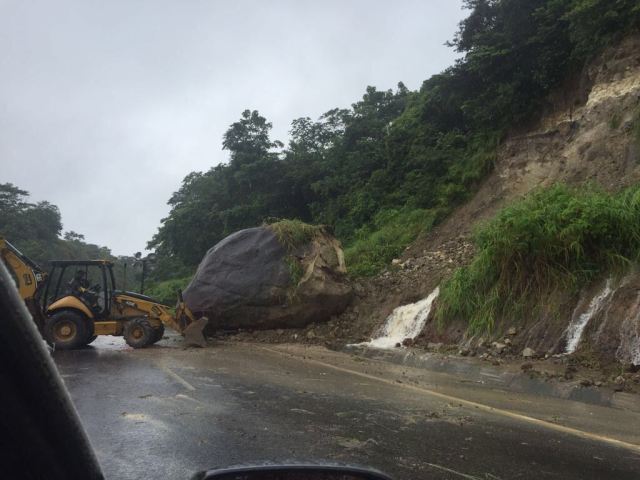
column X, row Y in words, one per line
column 401, row 235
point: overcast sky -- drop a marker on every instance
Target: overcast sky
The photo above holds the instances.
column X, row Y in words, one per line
column 105, row 106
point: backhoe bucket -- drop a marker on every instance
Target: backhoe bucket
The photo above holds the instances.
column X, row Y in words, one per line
column 193, row 336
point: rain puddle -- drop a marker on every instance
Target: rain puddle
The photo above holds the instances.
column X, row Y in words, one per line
column 404, row 322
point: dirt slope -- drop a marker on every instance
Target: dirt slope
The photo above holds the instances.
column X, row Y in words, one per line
column 585, row 135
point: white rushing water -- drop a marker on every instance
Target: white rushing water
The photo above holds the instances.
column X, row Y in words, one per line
column 579, row 322
column 406, row 321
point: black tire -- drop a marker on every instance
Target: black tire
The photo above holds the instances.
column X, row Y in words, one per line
column 158, row 333
column 138, row 333
column 91, row 339
column 66, row 330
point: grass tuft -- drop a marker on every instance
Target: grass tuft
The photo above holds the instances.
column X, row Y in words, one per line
column 293, row 234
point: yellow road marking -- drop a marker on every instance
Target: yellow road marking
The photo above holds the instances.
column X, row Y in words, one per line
column 480, row 406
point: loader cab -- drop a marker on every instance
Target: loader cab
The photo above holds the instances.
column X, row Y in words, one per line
column 90, row 281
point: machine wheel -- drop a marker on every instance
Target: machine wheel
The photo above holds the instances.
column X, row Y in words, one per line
column 66, row 330
column 158, row 333
column 138, row 333
column 91, row 339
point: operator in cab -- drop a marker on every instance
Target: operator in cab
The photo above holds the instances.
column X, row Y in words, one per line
column 79, row 287
column 79, row 283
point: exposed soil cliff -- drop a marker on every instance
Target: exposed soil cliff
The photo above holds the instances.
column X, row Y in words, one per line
column 588, row 134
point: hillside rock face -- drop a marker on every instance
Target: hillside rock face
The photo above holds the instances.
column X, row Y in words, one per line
column 247, row 281
column 587, row 133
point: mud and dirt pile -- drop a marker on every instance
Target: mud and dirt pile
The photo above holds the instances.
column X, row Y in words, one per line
column 264, row 278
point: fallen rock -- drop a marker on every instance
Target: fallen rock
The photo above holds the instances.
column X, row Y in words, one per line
column 512, row 331
column 407, row 342
column 498, row 347
column 253, row 279
column 528, row 353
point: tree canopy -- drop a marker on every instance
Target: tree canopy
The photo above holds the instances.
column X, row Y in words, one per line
column 35, row 228
column 396, row 154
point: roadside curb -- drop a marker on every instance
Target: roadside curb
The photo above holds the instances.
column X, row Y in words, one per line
column 469, row 371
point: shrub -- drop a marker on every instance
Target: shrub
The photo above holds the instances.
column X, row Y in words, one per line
column 166, row 292
column 559, row 237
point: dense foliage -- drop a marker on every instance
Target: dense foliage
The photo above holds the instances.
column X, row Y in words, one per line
column 36, row 229
column 555, row 238
column 394, row 163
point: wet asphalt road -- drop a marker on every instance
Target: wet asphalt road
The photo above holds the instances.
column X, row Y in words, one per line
column 166, row 412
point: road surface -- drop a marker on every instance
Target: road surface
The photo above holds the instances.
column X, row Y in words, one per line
column 167, row 412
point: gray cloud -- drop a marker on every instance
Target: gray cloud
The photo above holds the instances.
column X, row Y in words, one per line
column 106, row 106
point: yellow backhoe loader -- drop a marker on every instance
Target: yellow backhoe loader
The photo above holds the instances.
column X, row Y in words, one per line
column 78, row 300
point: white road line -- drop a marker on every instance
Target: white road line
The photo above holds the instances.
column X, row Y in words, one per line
column 460, row 474
column 480, row 406
column 177, row 378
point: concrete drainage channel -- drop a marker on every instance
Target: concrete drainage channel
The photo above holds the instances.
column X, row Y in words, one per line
column 469, row 371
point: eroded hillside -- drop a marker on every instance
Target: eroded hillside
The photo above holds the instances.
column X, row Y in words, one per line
column 589, row 134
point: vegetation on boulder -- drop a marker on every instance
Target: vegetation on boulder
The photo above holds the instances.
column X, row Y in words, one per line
column 293, row 234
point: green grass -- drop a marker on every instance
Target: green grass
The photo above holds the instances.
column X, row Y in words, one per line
column 556, row 238
column 294, row 233
column 166, row 292
column 374, row 247
column 295, row 270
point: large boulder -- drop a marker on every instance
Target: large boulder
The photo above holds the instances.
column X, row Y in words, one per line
column 269, row 277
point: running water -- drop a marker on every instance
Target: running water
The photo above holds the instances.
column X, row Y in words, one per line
column 577, row 325
column 404, row 322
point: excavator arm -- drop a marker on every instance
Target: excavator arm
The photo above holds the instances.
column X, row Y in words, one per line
column 28, row 275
